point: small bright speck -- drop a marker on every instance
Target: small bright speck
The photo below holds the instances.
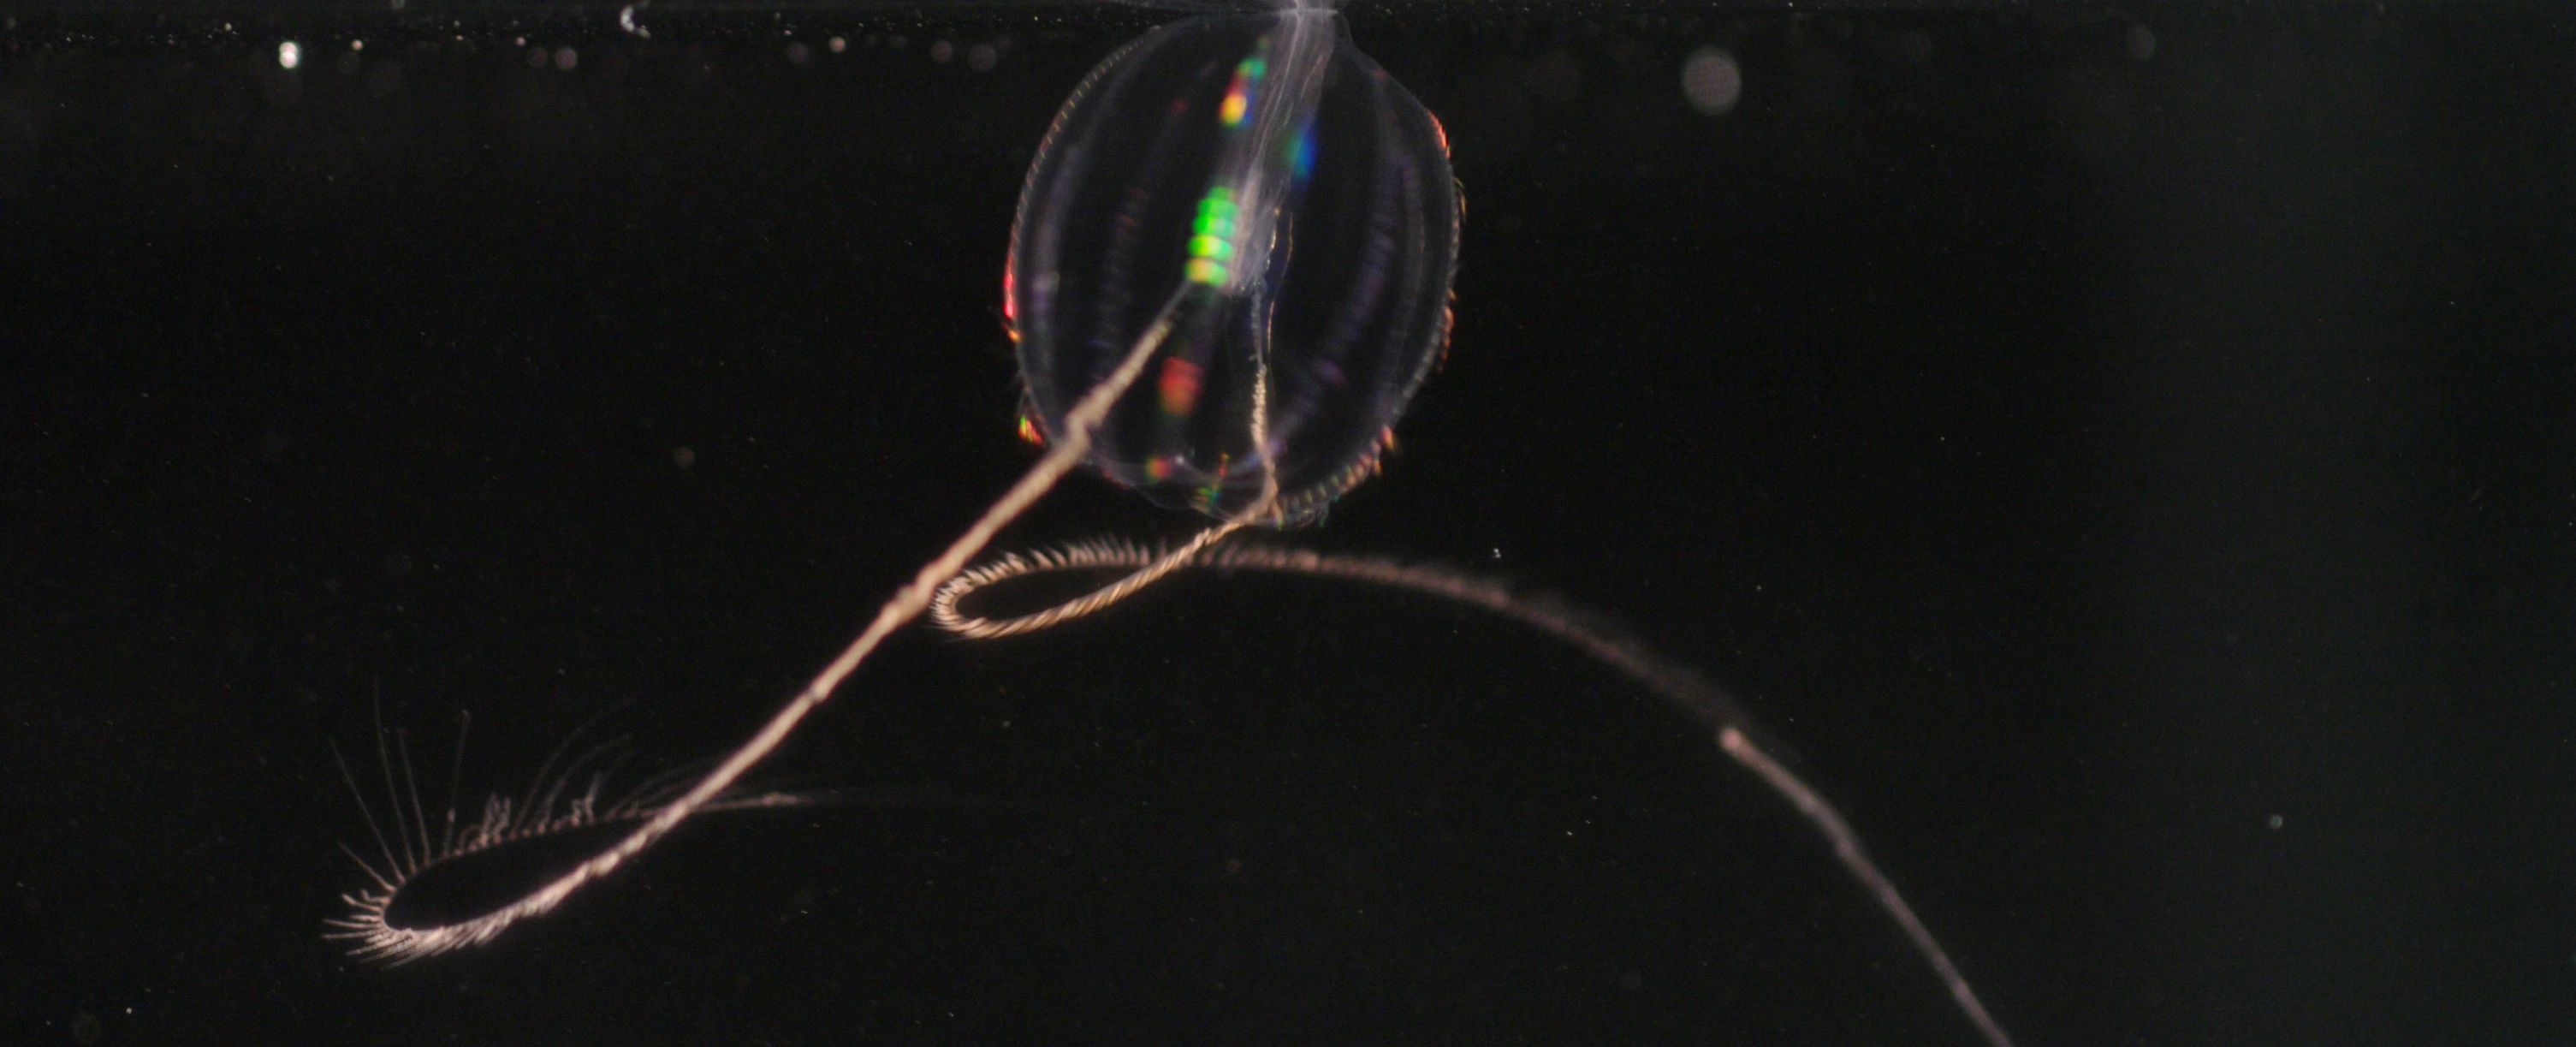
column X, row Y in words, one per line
column 1555, row 77
column 1712, row 81
column 565, row 59
column 942, row 51
column 357, row 45
column 839, row 45
column 2274, row 822
column 2140, row 41
column 1917, row 46
column 981, row 58
column 289, row 55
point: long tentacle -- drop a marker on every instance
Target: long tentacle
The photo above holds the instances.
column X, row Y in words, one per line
column 1678, row 684
column 1070, row 448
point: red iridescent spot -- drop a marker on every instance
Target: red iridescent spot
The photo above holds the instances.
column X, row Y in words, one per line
column 1178, row 387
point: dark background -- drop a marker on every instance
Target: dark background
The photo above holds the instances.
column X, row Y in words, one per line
column 2127, row 454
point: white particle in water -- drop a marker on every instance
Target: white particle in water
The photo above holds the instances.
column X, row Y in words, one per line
column 1712, row 81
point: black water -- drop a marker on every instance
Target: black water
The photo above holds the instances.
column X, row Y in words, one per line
column 2130, row 454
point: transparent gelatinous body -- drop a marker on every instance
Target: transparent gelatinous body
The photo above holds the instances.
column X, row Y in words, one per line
column 1275, row 209
column 1230, row 272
